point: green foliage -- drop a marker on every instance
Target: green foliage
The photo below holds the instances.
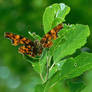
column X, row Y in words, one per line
column 75, row 37
column 73, row 67
column 55, row 63
column 54, row 15
column 75, row 85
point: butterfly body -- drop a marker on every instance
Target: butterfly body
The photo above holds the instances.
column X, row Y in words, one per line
column 34, row 48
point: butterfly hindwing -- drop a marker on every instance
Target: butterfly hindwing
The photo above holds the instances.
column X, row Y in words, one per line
column 27, row 49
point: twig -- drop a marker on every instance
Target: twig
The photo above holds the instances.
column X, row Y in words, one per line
column 41, row 77
column 51, row 66
column 53, row 85
column 47, row 69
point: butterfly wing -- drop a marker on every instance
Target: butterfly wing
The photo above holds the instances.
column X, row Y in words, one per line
column 17, row 39
column 28, row 47
column 46, row 41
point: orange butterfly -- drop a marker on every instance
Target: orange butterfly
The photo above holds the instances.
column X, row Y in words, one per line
column 34, row 48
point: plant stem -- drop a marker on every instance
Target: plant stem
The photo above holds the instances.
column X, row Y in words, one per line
column 51, row 66
column 42, row 78
column 47, row 69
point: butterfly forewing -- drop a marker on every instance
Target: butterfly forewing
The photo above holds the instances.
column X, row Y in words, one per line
column 46, row 41
column 17, row 39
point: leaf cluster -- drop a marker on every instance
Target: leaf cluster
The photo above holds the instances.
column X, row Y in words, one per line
column 58, row 63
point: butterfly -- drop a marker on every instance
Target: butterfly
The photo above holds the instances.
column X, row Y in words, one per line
column 34, row 48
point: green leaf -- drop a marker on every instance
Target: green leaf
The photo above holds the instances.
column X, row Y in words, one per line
column 88, row 79
column 75, row 36
column 71, row 68
column 55, row 67
column 36, row 67
column 75, row 84
column 31, row 59
column 39, row 66
column 43, row 60
column 54, row 15
column 34, row 36
column 77, row 66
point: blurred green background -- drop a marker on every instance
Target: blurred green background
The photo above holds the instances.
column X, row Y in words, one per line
column 21, row 16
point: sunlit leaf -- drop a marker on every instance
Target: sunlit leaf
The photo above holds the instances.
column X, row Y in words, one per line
column 74, row 38
column 54, row 15
column 73, row 67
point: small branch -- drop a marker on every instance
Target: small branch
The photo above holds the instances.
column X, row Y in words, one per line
column 53, row 85
column 41, row 77
column 47, row 69
column 51, row 66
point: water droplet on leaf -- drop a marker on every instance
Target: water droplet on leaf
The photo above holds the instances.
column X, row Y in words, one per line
column 50, row 6
column 75, row 64
column 62, row 6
